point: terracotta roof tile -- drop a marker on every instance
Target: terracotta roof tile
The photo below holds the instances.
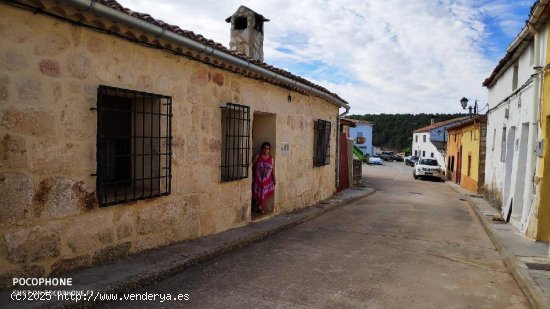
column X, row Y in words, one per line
column 479, row 118
column 440, row 124
column 201, row 39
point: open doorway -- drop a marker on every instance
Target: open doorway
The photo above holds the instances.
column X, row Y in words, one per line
column 264, row 130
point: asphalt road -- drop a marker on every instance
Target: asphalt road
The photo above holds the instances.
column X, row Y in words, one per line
column 412, row 244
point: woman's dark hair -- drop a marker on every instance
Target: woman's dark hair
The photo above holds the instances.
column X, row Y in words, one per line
column 266, row 144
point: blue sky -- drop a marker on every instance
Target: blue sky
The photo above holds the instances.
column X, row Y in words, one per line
column 382, row 56
column 503, row 28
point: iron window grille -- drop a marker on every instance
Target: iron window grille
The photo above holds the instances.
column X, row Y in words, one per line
column 236, row 142
column 134, row 138
column 321, row 142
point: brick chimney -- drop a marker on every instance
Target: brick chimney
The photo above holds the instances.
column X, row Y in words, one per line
column 247, row 33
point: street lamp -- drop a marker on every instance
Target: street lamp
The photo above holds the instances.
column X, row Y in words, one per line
column 464, row 102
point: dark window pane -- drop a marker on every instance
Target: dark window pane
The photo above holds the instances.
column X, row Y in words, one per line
column 133, row 145
column 321, row 142
column 235, row 141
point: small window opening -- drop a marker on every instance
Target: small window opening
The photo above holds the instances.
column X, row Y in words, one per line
column 241, row 23
column 515, row 77
column 259, row 24
column 321, row 142
column 469, row 165
column 133, row 145
column 452, row 163
column 235, row 141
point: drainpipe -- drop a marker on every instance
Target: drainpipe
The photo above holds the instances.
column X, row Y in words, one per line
column 104, row 11
column 533, row 133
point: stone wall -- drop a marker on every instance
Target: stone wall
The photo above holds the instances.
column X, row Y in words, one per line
column 50, row 221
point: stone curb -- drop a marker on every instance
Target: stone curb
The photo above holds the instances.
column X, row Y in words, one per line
column 519, row 270
column 265, row 229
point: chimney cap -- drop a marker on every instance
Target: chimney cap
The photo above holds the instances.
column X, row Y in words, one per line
column 256, row 15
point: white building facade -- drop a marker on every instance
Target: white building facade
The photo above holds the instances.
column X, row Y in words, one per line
column 422, row 147
column 512, row 129
column 431, row 141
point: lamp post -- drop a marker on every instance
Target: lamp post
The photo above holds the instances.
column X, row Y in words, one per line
column 464, row 102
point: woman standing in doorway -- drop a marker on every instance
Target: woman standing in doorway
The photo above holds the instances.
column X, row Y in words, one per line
column 263, row 185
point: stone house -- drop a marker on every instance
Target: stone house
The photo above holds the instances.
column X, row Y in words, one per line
column 514, row 127
column 121, row 133
column 466, row 153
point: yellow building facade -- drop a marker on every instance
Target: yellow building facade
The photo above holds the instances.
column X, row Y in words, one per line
column 453, row 150
column 465, row 153
column 539, row 227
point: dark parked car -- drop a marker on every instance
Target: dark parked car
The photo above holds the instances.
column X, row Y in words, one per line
column 411, row 160
column 387, row 155
column 398, row 158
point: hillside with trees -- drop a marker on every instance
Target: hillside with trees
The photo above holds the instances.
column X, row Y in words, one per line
column 394, row 131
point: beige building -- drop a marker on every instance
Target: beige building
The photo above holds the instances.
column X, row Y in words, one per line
column 120, row 133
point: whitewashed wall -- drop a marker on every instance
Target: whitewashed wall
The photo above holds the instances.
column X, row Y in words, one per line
column 428, row 147
column 508, row 176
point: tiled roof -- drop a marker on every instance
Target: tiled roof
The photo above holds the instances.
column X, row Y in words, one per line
column 440, row 124
column 478, row 118
column 201, row 39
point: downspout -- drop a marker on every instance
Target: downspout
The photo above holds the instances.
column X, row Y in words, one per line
column 533, row 133
column 101, row 10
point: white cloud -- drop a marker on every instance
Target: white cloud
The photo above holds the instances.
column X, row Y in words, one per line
column 399, row 56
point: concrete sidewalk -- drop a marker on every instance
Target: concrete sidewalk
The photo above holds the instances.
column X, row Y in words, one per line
column 142, row 269
column 527, row 260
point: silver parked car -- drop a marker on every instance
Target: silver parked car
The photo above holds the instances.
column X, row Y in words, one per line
column 375, row 160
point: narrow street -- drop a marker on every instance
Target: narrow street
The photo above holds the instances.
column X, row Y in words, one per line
column 412, row 244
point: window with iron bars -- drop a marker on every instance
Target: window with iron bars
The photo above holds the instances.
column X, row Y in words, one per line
column 321, row 143
column 236, row 142
column 134, row 134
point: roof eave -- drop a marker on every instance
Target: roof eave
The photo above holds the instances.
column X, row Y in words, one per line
column 266, row 71
column 537, row 17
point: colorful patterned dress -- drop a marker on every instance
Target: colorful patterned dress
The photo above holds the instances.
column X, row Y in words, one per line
column 262, row 186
